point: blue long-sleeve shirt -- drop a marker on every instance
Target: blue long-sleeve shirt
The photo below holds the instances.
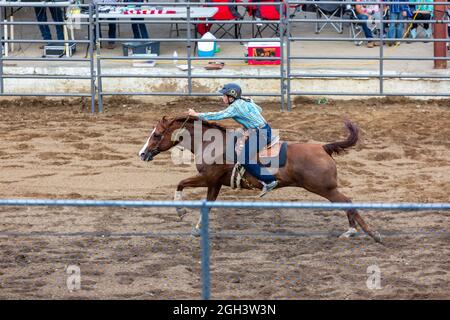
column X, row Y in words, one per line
column 246, row 113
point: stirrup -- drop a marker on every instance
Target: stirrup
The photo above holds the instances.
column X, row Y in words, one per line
column 268, row 187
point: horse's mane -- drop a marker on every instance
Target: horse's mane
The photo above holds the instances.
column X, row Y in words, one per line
column 205, row 123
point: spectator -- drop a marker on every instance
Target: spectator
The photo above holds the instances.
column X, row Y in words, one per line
column 368, row 13
column 57, row 16
column 111, row 26
column 396, row 12
column 422, row 12
column 139, row 29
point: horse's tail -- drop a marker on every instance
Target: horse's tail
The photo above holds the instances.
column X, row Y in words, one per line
column 352, row 139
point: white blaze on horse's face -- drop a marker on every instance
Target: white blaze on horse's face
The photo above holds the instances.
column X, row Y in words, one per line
column 144, row 148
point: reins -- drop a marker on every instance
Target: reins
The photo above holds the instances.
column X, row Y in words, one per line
column 179, row 131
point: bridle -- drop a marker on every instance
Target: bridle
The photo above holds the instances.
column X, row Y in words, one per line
column 156, row 150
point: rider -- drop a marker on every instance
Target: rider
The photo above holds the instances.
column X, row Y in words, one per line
column 248, row 114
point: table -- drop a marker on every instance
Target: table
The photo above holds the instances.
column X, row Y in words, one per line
column 157, row 13
column 153, row 13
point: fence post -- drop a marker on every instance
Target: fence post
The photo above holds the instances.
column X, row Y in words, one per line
column 204, row 211
column 281, row 30
column 91, row 56
column 3, row 44
column 439, row 48
column 99, row 62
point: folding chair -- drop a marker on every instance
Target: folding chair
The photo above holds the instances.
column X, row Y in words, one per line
column 355, row 29
column 329, row 11
column 224, row 29
column 265, row 12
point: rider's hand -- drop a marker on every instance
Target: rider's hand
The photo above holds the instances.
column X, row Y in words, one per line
column 192, row 113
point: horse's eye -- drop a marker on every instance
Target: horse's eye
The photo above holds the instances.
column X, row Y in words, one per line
column 157, row 136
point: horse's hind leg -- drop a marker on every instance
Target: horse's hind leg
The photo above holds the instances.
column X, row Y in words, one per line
column 213, row 192
column 353, row 216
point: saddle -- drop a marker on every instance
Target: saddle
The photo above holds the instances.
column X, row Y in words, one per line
column 274, row 155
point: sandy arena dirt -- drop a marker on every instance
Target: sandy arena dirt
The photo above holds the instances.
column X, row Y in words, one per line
column 57, row 149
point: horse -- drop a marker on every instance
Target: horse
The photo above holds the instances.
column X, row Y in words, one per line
column 308, row 165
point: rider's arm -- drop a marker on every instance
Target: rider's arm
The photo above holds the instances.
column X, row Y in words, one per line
column 229, row 112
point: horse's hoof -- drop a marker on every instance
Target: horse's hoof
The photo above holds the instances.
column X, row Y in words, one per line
column 181, row 213
column 195, row 232
column 377, row 237
column 350, row 233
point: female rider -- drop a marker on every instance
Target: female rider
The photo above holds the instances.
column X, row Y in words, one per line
column 248, row 114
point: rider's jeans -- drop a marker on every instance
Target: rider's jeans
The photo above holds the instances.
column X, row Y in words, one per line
column 258, row 138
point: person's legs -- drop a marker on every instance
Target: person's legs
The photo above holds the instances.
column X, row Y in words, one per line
column 365, row 27
column 426, row 26
column 400, row 25
column 143, row 31
column 111, row 31
column 41, row 16
column 257, row 140
column 136, row 31
column 57, row 16
column 415, row 25
column 392, row 25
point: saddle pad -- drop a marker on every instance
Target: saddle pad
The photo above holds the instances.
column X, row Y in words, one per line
column 276, row 154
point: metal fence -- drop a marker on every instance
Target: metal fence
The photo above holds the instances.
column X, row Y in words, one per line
column 286, row 74
column 7, row 40
column 206, row 206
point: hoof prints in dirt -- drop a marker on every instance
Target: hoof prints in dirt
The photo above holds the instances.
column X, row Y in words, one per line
column 66, row 153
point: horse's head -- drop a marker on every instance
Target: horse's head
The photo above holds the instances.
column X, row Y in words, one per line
column 160, row 140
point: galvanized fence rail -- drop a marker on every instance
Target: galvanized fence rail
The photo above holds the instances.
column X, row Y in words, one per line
column 6, row 40
column 191, row 40
column 287, row 74
column 205, row 207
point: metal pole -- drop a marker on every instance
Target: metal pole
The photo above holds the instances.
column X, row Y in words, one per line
column 204, row 211
column 281, row 35
column 99, row 68
column 440, row 49
column 188, row 13
column 288, row 61
column 6, row 36
column 91, row 56
column 2, row 48
column 381, row 50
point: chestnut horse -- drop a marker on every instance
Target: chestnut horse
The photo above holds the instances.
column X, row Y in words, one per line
column 309, row 166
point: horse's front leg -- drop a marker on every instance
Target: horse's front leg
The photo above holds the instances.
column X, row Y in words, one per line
column 192, row 182
column 213, row 192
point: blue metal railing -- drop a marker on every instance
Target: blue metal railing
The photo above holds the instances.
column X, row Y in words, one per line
column 205, row 207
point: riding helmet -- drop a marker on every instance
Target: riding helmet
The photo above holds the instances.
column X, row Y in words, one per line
column 231, row 89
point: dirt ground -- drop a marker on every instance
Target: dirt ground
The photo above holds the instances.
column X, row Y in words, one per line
column 57, row 149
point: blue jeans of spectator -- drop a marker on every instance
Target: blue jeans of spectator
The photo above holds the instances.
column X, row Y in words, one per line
column 139, row 29
column 365, row 27
column 111, row 31
column 57, row 16
column 395, row 28
column 257, row 140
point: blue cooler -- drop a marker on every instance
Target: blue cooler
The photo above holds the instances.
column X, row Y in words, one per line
column 207, row 48
column 209, row 53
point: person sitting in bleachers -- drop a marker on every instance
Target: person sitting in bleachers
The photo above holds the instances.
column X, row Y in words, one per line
column 422, row 12
column 368, row 13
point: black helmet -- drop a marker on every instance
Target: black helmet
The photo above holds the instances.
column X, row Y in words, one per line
column 231, row 89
